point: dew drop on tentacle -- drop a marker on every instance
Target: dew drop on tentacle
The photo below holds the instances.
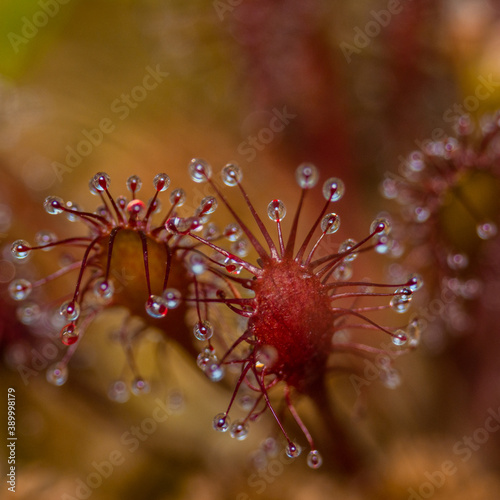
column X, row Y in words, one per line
column 20, row 249
column 136, row 209
column 20, row 289
column 214, row 370
column 177, row 197
column 155, row 205
column 400, row 338
column 103, row 289
column 207, row 206
column 203, row 330
column 101, row 181
column 69, row 334
column 306, row 175
column 196, row 264
column 486, row 230
column 345, row 247
column 240, row 248
column 380, row 225
column 391, row 378
column 239, row 430
column 333, row 189
column 53, row 205
column 118, row 392
column 415, row 282
column 134, row 184
column 57, row 374
column 314, row 459
column 29, row 313
column 457, row 261
column 156, row 306
column 330, row 223
column 414, row 332
column 343, row 272
column 276, row 210
column 384, row 244
column 70, row 310
column 72, row 207
column 293, row 450
column 221, row 422
column 161, row 182
column 199, row 170
column 231, row 174
column 232, row 232
column 44, row 237
column 172, row 296
column 401, row 300
column 140, row 386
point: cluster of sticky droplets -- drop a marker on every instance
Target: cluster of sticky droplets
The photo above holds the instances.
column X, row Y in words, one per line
column 209, row 363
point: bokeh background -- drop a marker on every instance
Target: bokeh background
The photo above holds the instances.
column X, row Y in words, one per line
column 358, row 85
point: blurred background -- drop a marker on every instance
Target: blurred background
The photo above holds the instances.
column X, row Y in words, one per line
column 143, row 86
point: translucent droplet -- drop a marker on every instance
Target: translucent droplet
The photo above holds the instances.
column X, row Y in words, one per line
column 314, row 459
column 203, row 358
column 486, row 230
column 390, row 378
column 345, row 247
column 415, row 282
column 43, row 238
column 172, row 296
column 380, row 225
column 101, row 181
column 29, row 313
column 214, row 370
column 203, row 330
column 221, row 422
column 384, row 244
column 20, row 249
column 53, row 205
column 400, row 338
column 457, row 261
column 276, row 210
column 306, row 175
column 240, row 247
column 161, row 182
column 333, row 189
column 72, row 207
column 401, row 300
column 414, row 332
column 293, row 450
column 330, row 223
column 232, row 232
column 20, row 289
column 416, row 161
column 118, row 392
column 421, row 214
column 57, row 374
column 177, row 197
column 197, row 264
column 199, row 170
column 239, row 430
column 69, row 334
column 156, row 306
column 231, row 174
column 136, row 209
column 389, row 188
column 140, row 386
column 134, row 183
column 343, row 272
column 103, row 289
column 267, row 355
column 70, row 310
column 208, row 205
